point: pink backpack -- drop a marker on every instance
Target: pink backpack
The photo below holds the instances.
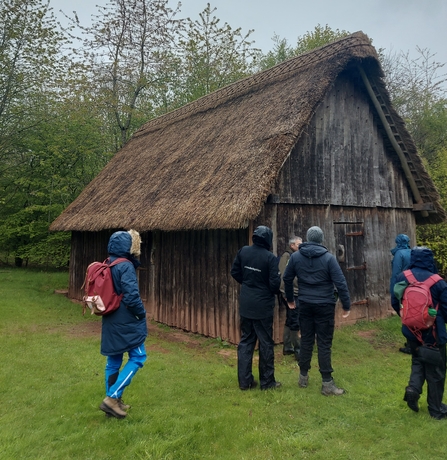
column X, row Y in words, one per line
column 416, row 302
column 100, row 296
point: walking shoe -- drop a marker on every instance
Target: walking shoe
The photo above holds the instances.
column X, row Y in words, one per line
column 329, row 388
column 112, row 407
column 287, row 351
column 272, row 387
column 411, row 397
column 253, row 384
column 123, row 406
column 303, row 381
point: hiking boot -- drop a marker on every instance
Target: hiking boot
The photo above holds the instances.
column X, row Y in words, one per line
column 406, row 350
column 123, row 406
column 112, row 407
column 253, row 384
column 411, row 398
column 287, row 351
column 303, row 381
column 329, row 388
column 273, row 387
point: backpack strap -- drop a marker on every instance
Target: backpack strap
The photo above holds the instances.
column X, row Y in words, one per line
column 409, row 276
column 429, row 282
column 116, row 261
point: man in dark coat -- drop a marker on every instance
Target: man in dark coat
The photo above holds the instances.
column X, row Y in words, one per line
column 256, row 269
column 422, row 265
column 125, row 329
column 318, row 272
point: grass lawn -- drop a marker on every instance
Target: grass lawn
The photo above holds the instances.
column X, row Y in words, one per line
column 185, row 401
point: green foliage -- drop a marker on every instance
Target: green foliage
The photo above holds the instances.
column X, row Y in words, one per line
column 318, row 37
column 310, row 40
column 281, row 52
column 213, row 55
column 185, row 400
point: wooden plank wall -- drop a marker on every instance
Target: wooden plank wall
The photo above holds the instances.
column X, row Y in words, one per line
column 342, row 157
column 193, row 288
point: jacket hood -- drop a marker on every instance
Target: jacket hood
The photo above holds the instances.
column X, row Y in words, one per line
column 423, row 258
column 402, row 242
column 120, row 244
column 312, row 250
column 263, row 236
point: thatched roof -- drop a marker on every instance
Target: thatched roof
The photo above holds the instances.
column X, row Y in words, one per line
column 212, row 163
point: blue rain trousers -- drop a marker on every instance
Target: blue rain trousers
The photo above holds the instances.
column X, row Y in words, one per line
column 116, row 380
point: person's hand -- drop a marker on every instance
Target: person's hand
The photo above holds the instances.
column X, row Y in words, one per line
column 346, row 314
column 291, row 305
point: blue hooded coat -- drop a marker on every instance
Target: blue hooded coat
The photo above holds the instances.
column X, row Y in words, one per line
column 126, row 327
column 401, row 257
column 422, row 264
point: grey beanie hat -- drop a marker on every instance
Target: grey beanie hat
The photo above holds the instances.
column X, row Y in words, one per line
column 315, row 235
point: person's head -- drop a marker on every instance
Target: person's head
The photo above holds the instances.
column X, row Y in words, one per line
column 124, row 243
column 422, row 257
column 294, row 242
column 315, row 235
column 263, row 236
column 402, row 241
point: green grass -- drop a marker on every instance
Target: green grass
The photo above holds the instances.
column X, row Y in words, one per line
column 185, row 401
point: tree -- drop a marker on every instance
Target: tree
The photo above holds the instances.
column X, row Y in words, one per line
column 124, row 50
column 212, row 55
column 281, row 52
column 318, row 37
column 310, row 40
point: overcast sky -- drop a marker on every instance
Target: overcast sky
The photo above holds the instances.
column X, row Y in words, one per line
column 396, row 25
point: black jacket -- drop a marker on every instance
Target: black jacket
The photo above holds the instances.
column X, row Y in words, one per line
column 318, row 272
column 256, row 269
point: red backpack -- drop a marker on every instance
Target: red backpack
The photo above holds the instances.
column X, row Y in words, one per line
column 100, row 296
column 416, row 302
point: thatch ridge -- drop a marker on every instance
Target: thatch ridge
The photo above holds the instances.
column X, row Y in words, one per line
column 199, row 167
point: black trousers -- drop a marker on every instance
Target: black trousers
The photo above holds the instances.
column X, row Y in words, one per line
column 251, row 331
column 433, row 375
column 317, row 320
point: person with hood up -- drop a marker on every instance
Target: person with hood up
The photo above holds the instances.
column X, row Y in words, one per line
column 318, row 272
column 125, row 329
column 256, row 269
column 399, row 263
column 422, row 265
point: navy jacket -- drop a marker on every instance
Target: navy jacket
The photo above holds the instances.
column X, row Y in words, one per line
column 256, row 269
column 126, row 327
column 318, row 272
column 422, row 265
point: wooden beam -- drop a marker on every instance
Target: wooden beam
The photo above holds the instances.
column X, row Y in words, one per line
column 389, row 132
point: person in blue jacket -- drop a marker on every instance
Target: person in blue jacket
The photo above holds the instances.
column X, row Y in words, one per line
column 318, row 272
column 422, row 265
column 256, row 269
column 400, row 262
column 125, row 329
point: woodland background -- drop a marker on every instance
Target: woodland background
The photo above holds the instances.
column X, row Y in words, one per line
column 71, row 97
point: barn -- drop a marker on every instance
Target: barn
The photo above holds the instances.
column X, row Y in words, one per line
column 311, row 141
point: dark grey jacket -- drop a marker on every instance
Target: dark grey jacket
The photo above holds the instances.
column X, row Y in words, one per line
column 318, row 272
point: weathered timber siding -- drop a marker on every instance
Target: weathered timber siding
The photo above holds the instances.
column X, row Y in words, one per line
column 193, row 288
column 342, row 157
